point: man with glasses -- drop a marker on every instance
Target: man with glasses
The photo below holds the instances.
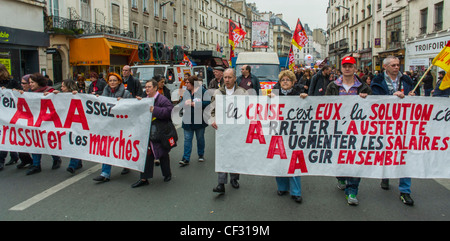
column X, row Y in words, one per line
column 393, row 82
column 131, row 84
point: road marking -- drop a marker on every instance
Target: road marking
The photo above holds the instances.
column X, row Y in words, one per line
column 443, row 182
column 41, row 196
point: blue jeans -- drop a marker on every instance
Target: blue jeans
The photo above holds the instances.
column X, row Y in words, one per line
column 352, row 184
column 428, row 92
column 291, row 184
column 106, row 171
column 74, row 163
column 188, row 137
column 405, row 185
column 37, row 159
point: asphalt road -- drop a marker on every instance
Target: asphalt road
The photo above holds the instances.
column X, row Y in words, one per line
column 59, row 195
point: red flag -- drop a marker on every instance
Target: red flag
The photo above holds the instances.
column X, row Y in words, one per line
column 291, row 59
column 299, row 39
column 235, row 34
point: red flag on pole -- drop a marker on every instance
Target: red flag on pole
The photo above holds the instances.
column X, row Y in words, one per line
column 299, row 39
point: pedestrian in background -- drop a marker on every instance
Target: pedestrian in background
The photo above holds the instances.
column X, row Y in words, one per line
column 194, row 103
column 162, row 89
column 319, row 82
column 393, row 82
column 428, row 83
column 130, row 83
column 81, row 84
column 247, row 80
column 217, row 82
column 161, row 111
column 115, row 89
column 292, row 185
column 349, row 84
column 438, row 92
column 97, row 84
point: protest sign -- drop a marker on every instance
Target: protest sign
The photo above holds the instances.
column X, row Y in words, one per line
column 86, row 127
column 376, row 137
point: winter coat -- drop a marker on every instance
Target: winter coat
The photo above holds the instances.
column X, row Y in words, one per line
column 380, row 87
column 162, row 110
column 318, row 85
column 254, row 80
column 100, row 84
column 200, row 104
column 133, row 86
column 119, row 92
column 362, row 87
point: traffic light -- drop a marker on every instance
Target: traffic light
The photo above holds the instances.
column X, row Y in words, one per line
column 144, row 51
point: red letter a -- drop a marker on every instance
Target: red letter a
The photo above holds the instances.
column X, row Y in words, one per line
column 52, row 116
column 251, row 135
column 21, row 113
column 80, row 118
column 297, row 162
column 273, row 150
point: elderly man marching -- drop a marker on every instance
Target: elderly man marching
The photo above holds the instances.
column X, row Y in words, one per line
column 229, row 88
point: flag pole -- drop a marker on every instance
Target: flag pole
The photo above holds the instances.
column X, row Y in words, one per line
column 420, row 81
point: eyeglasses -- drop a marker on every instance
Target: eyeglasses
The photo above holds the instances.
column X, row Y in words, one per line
column 285, row 80
column 394, row 65
column 24, row 83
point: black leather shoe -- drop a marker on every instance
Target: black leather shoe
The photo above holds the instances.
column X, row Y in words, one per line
column 167, row 178
column 298, row 199
column 125, row 171
column 71, row 170
column 12, row 161
column 220, row 189
column 101, row 179
column 140, row 183
column 234, row 183
column 33, row 170
column 281, row 193
column 23, row 164
column 56, row 164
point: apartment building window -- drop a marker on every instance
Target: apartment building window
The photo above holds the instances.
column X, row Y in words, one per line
column 438, row 16
column 145, row 6
column 164, row 37
column 156, row 35
column 155, row 8
column 134, row 4
column 174, row 15
column 135, row 30
column 423, row 20
column 54, row 7
column 145, row 33
column 163, row 10
column 393, row 32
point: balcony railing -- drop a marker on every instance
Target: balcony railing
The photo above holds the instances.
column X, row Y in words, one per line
column 60, row 25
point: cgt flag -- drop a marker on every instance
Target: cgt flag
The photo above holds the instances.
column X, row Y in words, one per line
column 235, row 34
column 292, row 66
column 299, row 39
column 443, row 60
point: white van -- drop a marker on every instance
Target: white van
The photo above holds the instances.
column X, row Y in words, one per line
column 174, row 74
column 265, row 65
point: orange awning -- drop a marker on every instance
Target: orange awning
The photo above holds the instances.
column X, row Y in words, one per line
column 90, row 51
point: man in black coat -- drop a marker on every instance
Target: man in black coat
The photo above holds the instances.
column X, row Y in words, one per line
column 319, row 82
column 131, row 84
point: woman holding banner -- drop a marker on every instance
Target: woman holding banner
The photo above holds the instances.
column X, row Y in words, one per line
column 161, row 111
column 116, row 89
column 38, row 83
column 349, row 84
column 286, row 80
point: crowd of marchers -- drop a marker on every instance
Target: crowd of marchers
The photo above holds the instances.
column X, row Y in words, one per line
column 195, row 98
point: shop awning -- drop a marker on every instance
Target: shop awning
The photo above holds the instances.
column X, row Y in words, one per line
column 98, row 51
column 90, row 51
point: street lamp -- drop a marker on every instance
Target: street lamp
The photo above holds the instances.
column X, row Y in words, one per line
column 164, row 3
column 340, row 6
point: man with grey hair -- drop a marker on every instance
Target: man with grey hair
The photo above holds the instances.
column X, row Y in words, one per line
column 393, row 82
column 228, row 88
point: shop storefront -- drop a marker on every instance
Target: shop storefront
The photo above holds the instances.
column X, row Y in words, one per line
column 102, row 54
column 20, row 50
column 420, row 53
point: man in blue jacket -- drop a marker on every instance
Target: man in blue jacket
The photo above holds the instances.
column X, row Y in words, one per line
column 393, row 82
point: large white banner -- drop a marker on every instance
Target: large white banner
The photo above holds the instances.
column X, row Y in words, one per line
column 82, row 126
column 376, row 137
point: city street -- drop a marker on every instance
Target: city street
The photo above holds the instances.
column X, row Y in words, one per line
column 59, row 195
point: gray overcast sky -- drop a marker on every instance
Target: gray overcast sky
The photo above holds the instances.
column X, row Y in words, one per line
column 312, row 12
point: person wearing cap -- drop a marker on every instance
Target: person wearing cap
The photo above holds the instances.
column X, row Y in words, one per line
column 115, row 89
column 217, row 82
column 349, row 84
column 393, row 82
column 247, row 80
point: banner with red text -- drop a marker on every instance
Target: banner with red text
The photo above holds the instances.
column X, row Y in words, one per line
column 81, row 126
column 376, row 137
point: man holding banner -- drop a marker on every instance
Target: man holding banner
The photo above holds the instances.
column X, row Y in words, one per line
column 393, row 82
column 229, row 88
column 349, row 84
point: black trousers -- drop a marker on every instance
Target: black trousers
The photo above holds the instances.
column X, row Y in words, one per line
column 150, row 164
